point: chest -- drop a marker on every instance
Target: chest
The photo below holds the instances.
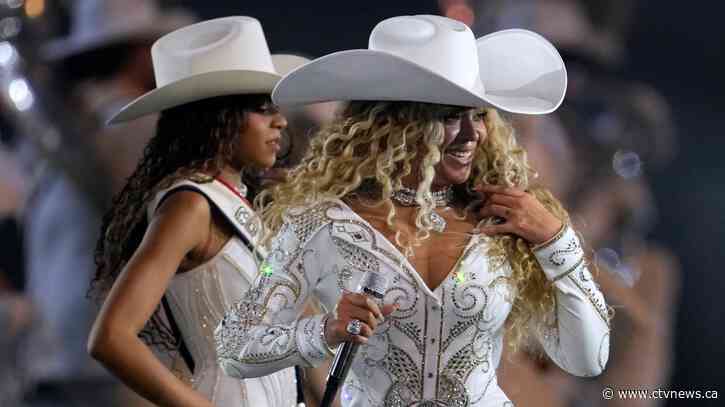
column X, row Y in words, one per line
column 434, row 258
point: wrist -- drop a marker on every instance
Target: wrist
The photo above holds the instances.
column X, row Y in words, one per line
column 551, row 240
column 561, row 255
column 330, row 348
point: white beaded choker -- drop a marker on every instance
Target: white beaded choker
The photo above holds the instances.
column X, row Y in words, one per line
column 406, row 197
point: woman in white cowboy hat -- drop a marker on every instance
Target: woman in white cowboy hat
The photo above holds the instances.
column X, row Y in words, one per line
column 179, row 245
column 421, row 181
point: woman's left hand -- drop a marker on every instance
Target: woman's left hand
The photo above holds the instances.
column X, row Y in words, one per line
column 522, row 213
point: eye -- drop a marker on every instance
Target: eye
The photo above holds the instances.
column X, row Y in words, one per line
column 479, row 116
column 267, row 108
column 452, row 118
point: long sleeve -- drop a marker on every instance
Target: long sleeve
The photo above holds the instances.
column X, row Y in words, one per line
column 265, row 332
column 580, row 342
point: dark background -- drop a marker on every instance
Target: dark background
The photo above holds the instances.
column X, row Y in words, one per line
column 679, row 49
column 675, row 46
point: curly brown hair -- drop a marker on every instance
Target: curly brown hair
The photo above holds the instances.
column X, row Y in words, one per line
column 191, row 139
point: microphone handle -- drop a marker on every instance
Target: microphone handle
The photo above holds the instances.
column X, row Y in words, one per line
column 338, row 371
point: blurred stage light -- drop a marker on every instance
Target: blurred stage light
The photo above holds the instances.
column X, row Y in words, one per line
column 608, row 258
column 627, row 164
column 461, row 12
column 20, row 94
column 34, row 8
column 10, row 27
column 8, row 56
column 14, row 3
column 611, row 261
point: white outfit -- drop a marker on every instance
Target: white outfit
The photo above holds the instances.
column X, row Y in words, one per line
column 440, row 348
column 199, row 297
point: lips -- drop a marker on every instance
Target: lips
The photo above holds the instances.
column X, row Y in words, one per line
column 462, row 155
column 275, row 143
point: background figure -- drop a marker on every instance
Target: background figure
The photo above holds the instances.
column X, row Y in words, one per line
column 102, row 64
column 15, row 308
column 606, row 130
column 304, row 121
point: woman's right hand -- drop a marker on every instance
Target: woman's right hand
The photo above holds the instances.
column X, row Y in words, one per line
column 356, row 306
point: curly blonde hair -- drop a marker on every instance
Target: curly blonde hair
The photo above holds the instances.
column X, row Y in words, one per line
column 372, row 146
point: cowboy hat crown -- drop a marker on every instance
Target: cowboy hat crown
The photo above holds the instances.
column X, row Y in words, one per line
column 435, row 59
column 219, row 57
column 444, row 46
column 101, row 23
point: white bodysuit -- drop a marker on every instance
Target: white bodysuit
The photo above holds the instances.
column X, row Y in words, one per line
column 199, row 297
column 440, row 348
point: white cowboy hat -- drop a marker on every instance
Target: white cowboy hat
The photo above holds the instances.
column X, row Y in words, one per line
column 224, row 56
column 435, row 59
column 101, row 23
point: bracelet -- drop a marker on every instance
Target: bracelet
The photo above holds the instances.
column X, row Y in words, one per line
column 323, row 325
column 551, row 240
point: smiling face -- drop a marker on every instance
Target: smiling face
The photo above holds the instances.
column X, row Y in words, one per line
column 464, row 130
column 260, row 138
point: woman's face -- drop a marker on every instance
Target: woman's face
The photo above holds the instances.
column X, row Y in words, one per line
column 259, row 141
column 464, row 130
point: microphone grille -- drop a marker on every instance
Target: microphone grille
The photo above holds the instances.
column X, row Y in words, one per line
column 374, row 283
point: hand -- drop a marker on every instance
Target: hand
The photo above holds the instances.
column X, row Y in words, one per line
column 356, row 306
column 523, row 214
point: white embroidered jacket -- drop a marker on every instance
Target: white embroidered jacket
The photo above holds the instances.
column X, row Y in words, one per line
column 440, row 348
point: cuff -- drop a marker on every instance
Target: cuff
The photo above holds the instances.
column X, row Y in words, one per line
column 561, row 255
column 312, row 347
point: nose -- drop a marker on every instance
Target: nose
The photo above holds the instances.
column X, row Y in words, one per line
column 468, row 129
column 279, row 121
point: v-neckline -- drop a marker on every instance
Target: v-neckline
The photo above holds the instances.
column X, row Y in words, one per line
column 379, row 235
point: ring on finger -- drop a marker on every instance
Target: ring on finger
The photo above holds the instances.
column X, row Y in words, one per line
column 354, row 327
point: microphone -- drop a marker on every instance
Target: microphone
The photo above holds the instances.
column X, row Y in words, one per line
column 374, row 285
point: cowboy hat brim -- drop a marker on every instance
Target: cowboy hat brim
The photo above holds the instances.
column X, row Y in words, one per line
column 512, row 81
column 522, row 72
column 195, row 88
column 59, row 49
column 208, row 85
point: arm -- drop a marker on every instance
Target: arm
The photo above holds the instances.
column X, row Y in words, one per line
column 264, row 332
column 179, row 226
column 580, row 342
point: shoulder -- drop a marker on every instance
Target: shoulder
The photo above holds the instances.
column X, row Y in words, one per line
column 306, row 221
column 186, row 207
column 320, row 211
column 180, row 224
